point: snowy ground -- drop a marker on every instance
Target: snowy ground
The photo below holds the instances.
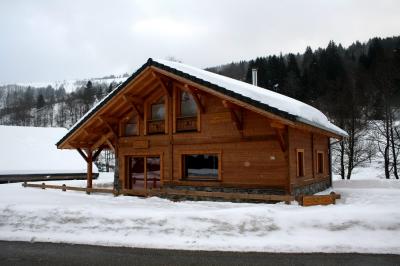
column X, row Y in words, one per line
column 366, row 219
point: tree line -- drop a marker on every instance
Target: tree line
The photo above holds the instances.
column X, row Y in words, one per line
column 358, row 87
column 47, row 106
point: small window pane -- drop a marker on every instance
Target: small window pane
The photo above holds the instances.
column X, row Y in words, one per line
column 188, row 105
column 320, row 162
column 158, row 110
column 300, row 163
column 201, row 166
column 131, row 127
column 153, row 171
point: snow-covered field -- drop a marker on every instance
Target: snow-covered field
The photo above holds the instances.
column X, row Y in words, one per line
column 366, row 219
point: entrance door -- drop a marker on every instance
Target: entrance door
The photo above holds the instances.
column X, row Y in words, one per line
column 143, row 172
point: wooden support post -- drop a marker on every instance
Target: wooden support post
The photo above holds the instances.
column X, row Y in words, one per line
column 145, row 172
column 89, row 175
column 116, row 169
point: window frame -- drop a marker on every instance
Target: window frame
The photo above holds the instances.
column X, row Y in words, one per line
column 160, row 101
column 218, row 154
column 145, row 155
column 298, row 172
column 124, row 123
column 178, row 90
column 322, row 163
column 155, row 98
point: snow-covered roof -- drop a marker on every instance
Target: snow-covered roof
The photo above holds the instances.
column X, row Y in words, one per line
column 259, row 97
column 31, row 150
column 301, row 111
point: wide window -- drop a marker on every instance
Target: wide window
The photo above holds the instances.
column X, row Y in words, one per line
column 300, row 162
column 200, row 166
column 131, row 127
column 320, row 162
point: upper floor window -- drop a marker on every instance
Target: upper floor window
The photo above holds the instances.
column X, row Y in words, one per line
column 158, row 110
column 187, row 118
column 156, row 124
column 131, row 127
column 188, row 105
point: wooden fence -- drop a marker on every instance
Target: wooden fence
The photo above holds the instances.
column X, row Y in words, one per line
column 162, row 192
column 306, row 200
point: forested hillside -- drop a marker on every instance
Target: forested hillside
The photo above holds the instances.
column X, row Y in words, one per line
column 358, row 87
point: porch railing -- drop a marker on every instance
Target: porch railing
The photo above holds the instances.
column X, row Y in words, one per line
column 156, row 126
column 186, row 124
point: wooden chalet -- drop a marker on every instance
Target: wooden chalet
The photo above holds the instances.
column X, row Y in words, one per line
column 173, row 126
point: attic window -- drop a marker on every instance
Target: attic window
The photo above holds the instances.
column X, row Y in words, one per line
column 187, row 119
column 158, row 110
column 300, row 162
column 188, row 105
column 156, row 124
column 131, row 127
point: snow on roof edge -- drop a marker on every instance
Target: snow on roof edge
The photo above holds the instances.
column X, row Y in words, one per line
column 239, row 87
column 328, row 126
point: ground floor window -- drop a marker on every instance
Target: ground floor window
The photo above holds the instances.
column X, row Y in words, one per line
column 200, row 166
column 300, row 162
column 143, row 172
column 320, row 162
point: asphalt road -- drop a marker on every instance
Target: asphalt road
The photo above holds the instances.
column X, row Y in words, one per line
column 25, row 253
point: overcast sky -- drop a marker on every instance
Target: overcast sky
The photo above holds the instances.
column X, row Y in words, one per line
column 57, row 40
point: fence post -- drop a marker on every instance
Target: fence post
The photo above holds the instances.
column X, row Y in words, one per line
column 64, row 187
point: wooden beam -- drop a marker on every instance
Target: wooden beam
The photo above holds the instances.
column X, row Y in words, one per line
column 102, row 140
column 281, row 139
column 97, row 153
column 134, row 106
column 166, row 87
column 236, row 114
column 109, row 143
column 277, row 125
column 82, row 154
column 196, row 98
column 108, row 125
column 230, row 105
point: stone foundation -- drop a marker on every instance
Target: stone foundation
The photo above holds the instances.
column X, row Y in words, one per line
column 266, row 191
column 312, row 188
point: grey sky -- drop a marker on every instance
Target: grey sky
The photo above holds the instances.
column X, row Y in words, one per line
column 57, row 40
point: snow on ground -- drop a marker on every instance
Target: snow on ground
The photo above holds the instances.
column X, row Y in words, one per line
column 32, row 150
column 366, row 219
